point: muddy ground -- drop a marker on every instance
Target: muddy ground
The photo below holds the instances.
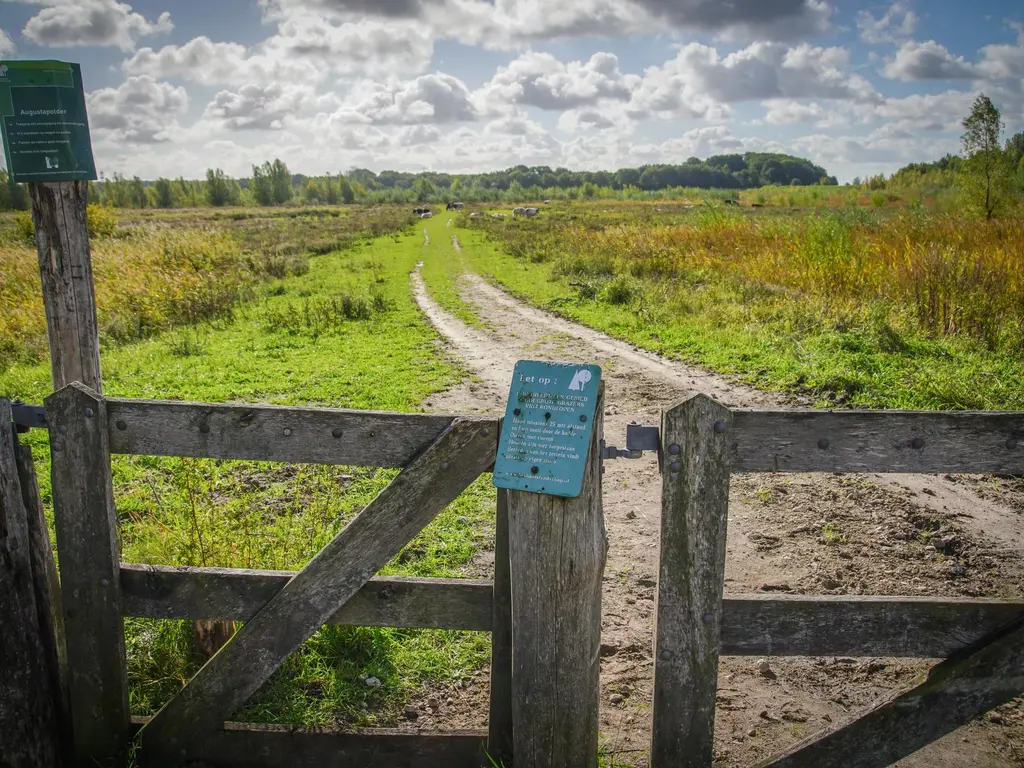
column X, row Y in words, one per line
column 798, row 534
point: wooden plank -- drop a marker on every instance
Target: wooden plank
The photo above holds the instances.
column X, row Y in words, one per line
column 499, row 737
column 29, row 725
column 910, row 627
column 274, row 433
column 46, row 586
column 83, row 501
column 65, row 267
column 319, row 590
column 250, row 745
column 968, row 684
column 168, row 592
column 557, row 549
column 696, row 435
column 878, row 441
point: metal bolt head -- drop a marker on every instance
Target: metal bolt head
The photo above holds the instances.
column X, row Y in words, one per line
column 708, row 618
column 58, row 447
column 336, row 432
column 89, row 413
column 719, row 427
column 547, row 415
column 534, row 470
column 674, row 449
column 823, row 443
column 204, row 427
column 917, row 443
column 122, row 425
column 445, row 465
column 676, row 466
column 104, row 582
column 583, row 417
column 1011, row 443
column 665, row 655
column 485, row 431
column 287, row 431
column 517, row 412
column 63, row 429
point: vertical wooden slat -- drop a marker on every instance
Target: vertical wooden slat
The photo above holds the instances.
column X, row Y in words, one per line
column 29, row 724
column 499, row 736
column 557, row 552
column 65, row 267
column 695, row 500
column 87, row 545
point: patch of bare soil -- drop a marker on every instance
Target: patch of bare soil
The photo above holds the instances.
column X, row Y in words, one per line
column 807, row 533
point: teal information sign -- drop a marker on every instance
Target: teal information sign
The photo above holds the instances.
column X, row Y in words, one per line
column 548, row 428
column 43, row 122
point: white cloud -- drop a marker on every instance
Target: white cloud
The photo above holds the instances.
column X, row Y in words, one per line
column 7, row 46
column 436, row 98
column 92, row 22
column 787, row 111
column 927, row 61
column 898, row 23
column 140, row 110
column 258, row 107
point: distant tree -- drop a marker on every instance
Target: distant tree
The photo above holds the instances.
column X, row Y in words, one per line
column 347, row 190
column 137, row 193
column 218, row 192
column 164, row 193
column 589, row 190
column 330, row 191
column 13, row 197
column 281, row 182
column 261, row 187
column 424, row 190
column 1015, row 147
column 986, row 178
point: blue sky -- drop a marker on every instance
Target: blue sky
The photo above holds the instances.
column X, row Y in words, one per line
column 473, row 85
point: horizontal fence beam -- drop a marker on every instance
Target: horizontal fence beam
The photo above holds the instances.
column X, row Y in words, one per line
column 252, row 745
column 162, row 592
column 273, row 433
column 878, row 441
column 912, row 627
column 752, row 625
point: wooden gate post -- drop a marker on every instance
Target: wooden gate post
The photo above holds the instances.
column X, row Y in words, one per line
column 557, row 549
column 696, row 435
column 30, row 679
column 65, row 266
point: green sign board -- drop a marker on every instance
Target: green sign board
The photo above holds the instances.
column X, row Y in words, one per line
column 548, row 426
column 43, row 124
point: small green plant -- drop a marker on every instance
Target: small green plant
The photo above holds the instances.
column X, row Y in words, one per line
column 831, row 534
column 764, row 494
column 877, row 199
column 621, row 290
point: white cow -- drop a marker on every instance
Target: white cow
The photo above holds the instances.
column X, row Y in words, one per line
column 518, row 211
column 427, row 215
column 475, row 215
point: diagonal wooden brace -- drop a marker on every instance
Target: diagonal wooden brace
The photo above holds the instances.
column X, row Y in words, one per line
column 432, row 481
column 967, row 684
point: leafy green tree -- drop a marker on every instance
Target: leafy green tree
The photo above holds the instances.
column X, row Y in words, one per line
column 330, row 191
column 986, row 178
column 423, row 189
column 137, row 193
column 261, row 185
column 281, row 182
column 164, row 193
column 218, row 187
column 347, row 190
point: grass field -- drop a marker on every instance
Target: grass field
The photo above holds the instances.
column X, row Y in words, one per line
column 342, row 331
column 897, row 308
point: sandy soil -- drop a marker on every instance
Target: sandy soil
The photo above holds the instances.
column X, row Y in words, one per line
column 775, row 542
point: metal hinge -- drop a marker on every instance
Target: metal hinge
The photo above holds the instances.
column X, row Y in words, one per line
column 639, row 438
column 28, row 416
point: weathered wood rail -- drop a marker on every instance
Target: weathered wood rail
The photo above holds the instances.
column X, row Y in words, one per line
column 702, row 444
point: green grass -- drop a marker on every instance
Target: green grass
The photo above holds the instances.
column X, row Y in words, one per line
column 771, row 339
column 442, row 266
column 346, row 334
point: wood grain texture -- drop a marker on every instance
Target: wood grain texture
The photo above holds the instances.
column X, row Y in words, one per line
column 168, row 592
column 46, row 588
column 696, row 435
column 557, row 549
column 29, row 726
column 87, row 546
column 249, row 745
column 970, row 683
column 877, row 441
column 274, row 433
column 318, row 591
column 499, row 736
column 910, row 627
column 65, row 267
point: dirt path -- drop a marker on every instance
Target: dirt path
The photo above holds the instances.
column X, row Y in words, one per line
column 879, row 538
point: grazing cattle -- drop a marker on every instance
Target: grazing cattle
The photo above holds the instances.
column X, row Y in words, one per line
column 547, row 202
column 455, row 206
column 475, row 215
column 532, row 211
column 518, row 211
column 420, row 211
column 499, row 216
column 427, row 215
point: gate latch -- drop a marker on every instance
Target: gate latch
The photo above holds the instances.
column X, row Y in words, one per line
column 639, row 438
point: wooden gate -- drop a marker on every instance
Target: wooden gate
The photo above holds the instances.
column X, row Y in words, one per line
column 702, row 442
column 439, row 456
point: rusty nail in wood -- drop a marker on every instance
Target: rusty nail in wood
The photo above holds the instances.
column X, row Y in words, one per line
column 674, row 449
column 1011, row 443
column 89, row 413
column 917, row 443
column 823, row 443
column 336, row 432
column 122, row 426
column 719, row 426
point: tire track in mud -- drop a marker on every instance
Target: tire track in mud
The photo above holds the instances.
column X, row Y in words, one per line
column 774, row 541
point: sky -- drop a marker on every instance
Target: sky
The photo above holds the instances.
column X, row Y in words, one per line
column 861, row 88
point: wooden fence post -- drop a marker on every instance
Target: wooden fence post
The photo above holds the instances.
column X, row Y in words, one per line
column 65, row 266
column 557, row 549
column 86, row 523
column 30, row 716
column 695, row 501
column 499, row 736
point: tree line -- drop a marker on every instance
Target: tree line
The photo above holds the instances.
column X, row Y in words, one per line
column 273, row 184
